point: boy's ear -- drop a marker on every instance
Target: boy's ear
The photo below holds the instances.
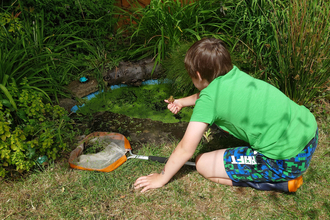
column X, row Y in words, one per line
column 199, row 76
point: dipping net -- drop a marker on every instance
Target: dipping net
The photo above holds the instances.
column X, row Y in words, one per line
column 110, row 150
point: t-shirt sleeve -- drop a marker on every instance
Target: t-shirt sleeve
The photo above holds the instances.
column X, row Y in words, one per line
column 204, row 110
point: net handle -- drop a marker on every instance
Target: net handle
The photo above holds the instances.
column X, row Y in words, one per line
column 155, row 158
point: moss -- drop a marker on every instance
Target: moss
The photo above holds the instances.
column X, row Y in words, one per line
column 137, row 102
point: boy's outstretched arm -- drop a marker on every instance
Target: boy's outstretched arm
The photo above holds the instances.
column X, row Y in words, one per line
column 182, row 153
column 178, row 104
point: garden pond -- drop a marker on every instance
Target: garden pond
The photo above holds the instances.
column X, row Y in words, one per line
column 141, row 115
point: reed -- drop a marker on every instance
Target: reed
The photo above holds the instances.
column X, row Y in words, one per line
column 300, row 65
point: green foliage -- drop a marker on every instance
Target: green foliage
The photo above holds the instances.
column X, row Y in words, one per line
column 252, row 31
column 300, row 64
column 285, row 43
column 34, row 130
column 91, row 18
column 9, row 23
column 52, row 42
column 97, row 60
column 163, row 25
column 44, row 60
column 176, row 71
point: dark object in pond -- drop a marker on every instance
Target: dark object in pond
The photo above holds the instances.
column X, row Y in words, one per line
column 132, row 73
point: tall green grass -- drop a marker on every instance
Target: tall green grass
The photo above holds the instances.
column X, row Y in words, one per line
column 283, row 42
column 300, row 66
column 51, row 55
column 163, row 25
column 91, row 19
column 44, row 60
column 251, row 31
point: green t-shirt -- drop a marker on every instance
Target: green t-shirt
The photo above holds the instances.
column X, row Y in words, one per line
column 256, row 112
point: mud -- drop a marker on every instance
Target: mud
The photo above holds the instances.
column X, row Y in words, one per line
column 146, row 131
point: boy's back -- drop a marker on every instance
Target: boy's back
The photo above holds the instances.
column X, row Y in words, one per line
column 256, row 112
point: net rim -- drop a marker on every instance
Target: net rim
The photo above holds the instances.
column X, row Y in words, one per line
column 79, row 149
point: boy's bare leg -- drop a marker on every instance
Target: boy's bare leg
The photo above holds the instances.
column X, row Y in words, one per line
column 211, row 166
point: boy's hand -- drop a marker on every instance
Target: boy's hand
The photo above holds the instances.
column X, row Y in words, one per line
column 151, row 181
column 174, row 106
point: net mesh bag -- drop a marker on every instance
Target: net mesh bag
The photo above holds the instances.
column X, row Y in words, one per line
column 112, row 154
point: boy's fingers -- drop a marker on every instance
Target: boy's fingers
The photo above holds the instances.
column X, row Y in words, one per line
column 142, row 181
column 139, row 181
column 140, row 185
column 145, row 189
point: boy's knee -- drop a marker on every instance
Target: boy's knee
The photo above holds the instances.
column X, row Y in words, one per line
column 199, row 164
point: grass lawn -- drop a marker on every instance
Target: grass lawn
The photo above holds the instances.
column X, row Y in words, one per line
column 60, row 192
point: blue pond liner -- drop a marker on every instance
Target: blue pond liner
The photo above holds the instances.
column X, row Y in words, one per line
column 147, row 82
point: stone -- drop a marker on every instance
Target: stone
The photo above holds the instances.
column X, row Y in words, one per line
column 80, row 90
column 67, row 103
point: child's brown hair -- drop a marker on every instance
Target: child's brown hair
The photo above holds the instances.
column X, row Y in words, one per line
column 209, row 57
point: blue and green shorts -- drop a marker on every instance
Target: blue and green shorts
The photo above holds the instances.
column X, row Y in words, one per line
column 243, row 164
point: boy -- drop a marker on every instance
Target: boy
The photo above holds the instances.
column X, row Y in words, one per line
column 282, row 135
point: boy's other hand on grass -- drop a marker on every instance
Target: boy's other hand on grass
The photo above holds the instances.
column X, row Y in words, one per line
column 151, row 181
column 174, row 106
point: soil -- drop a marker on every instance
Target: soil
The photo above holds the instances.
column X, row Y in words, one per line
column 146, row 131
column 138, row 131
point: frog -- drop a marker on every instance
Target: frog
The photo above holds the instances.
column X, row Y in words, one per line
column 170, row 99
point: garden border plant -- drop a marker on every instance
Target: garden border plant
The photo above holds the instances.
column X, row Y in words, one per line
column 35, row 129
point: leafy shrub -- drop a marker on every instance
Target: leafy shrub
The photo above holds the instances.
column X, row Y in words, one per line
column 35, row 129
column 9, row 23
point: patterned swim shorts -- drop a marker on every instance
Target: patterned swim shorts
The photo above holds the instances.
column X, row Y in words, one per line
column 243, row 164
